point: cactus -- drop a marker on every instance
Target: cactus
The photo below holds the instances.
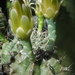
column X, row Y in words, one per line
column 30, row 53
column 40, row 16
column 46, row 39
column 21, row 24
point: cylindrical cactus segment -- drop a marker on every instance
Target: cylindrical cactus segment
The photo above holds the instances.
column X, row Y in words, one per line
column 51, row 32
column 8, row 50
column 23, row 56
column 24, row 60
column 30, row 69
column 28, row 49
column 40, row 23
column 56, row 67
column 22, row 66
column 44, row 68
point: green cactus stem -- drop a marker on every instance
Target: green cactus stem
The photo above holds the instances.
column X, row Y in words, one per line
column 40, row 23
column 7, row 50
column 57, row 68
column 51, row 32
column 28, row 48
column 45, row 70
column 24, row 60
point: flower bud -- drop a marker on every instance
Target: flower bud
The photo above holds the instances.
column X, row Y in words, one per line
column 38, row 10
column 21, row 20
column 49, row 8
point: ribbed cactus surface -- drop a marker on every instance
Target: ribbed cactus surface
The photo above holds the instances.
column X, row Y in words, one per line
column 19, row 59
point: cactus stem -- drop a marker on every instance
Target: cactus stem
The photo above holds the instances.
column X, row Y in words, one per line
column 40, row 23
column 51, row 32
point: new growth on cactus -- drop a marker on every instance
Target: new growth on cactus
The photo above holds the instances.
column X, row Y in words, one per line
column 48, row 9
column 38, row 12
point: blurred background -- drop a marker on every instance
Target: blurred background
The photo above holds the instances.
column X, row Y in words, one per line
column 65, row 28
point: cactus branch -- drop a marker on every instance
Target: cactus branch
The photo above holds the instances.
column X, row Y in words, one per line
column 51, row 32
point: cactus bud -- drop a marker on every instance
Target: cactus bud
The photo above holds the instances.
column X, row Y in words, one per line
column 38, row 10
column 48, row 8
column 21, row 20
